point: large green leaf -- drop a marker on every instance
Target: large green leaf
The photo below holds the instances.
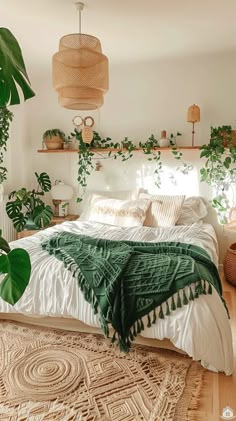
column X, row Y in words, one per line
column 42, row 216
column 12, row 70
column 16, row 267
column 44, row 181
column 4, row 244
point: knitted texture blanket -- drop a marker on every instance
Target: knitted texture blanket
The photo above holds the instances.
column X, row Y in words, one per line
column 127, row 280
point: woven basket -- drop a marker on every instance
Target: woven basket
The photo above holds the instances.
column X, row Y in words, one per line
column 230, row 264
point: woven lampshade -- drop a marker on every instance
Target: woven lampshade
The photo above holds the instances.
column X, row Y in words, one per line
column 193, row 114
column 80, row 72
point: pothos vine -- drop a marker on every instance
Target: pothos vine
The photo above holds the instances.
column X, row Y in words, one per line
column 87, row 152
column 5, row 120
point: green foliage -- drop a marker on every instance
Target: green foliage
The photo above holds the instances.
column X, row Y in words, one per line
column 5, row 120
column 86, row 155
column 54, row 132
column 16, row 267
column 28, row 210
column 12, row 71
column 87, row 152
column 219, row 170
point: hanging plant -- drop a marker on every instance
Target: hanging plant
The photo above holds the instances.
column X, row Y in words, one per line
column 219, row 170
column 149, row 148
column 86, row 153
column 5, row 120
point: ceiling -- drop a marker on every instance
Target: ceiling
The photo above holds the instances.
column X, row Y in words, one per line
column 130, row 30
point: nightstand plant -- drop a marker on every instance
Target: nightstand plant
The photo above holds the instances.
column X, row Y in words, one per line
column 27, row 210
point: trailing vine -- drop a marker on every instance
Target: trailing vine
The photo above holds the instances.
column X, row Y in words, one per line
column 5, row 120
column 123, row 151
column 220, row 167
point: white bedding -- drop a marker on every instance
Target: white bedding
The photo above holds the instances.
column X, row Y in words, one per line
column 201, row 328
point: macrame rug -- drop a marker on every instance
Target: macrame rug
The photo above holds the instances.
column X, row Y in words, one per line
column 55, row 375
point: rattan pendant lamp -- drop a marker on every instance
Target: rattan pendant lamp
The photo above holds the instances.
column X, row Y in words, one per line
column 80, row 70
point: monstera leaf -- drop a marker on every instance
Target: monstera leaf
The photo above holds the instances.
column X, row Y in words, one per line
column 44, row 181
column 12, row 70
column 42, row 216
column 16, row 267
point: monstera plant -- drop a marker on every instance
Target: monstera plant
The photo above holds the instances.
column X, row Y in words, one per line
column 15, row 264
column 28, row 210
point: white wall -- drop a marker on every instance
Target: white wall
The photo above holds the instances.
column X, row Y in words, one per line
column 144, row 98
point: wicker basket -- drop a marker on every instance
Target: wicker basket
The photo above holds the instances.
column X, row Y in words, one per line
column 230, row 264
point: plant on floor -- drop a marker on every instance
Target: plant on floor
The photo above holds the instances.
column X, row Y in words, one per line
column 28, row 210
column 219, row 170
column 15, row 264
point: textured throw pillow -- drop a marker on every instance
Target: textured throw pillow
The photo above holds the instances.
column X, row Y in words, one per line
column 193, row 210
column 163, row 211
column 122, row 213
column 118, row 194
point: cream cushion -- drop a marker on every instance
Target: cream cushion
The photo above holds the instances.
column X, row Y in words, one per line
column 122, row 213
column 193, row 210
column 164, row 210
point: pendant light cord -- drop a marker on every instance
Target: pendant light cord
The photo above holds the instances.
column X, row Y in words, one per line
column 79, row 7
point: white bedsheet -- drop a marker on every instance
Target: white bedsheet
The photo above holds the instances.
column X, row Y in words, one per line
column 201, row 328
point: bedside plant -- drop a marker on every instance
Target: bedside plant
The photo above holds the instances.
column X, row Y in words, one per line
column 28, row 210
column 15, row 266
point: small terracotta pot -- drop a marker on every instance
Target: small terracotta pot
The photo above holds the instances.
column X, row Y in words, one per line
column 55, row 142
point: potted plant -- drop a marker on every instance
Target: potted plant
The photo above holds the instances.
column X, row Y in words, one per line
column 15, row 264
column 27, row 210
column 54, row 138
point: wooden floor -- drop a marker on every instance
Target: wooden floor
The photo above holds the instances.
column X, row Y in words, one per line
column 220, row 390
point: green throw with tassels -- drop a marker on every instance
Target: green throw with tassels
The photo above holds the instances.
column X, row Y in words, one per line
column 127, row 280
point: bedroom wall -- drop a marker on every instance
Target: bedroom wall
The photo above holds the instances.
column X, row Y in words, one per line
column 144, row 98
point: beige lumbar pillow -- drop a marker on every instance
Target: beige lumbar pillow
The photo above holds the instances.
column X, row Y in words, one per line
column 164, row 211
column 122, row 213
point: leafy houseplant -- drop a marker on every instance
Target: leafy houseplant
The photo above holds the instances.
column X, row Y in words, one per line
column 28, row 210
column 219, row 170
column 54, row 138
column 14, row 264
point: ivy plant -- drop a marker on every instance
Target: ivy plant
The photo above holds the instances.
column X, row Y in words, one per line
column 28, row 210
column 219, row 170
column 123, row 151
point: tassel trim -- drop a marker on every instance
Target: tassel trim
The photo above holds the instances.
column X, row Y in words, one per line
column 201, row 288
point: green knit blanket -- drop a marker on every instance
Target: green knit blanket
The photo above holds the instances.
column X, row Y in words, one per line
column 126, row 280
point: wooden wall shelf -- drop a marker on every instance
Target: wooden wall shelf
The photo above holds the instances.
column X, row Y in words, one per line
column 180, row 148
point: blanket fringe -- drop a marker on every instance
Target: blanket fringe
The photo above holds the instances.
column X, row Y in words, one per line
column 202, row 287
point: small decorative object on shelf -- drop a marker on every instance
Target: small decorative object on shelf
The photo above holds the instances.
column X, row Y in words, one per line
column 54, row 139
column 164, row 142
column 61, row 194
column 193, row 117
column 87, row 132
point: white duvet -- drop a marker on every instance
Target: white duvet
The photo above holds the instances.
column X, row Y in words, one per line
column 201, row 328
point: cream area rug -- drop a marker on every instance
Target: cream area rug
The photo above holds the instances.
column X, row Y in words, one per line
column 54, row 375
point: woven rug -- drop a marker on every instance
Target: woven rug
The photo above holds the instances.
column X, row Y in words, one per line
column 51, row 375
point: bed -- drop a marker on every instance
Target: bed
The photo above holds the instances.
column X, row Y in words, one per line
column 54, row 298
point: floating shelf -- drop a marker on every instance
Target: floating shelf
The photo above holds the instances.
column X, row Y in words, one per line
column 184, row 148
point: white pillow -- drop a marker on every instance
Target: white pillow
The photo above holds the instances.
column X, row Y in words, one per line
column 121, row 213
column 193, row 209
column 119, row 194
column 164, row 210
